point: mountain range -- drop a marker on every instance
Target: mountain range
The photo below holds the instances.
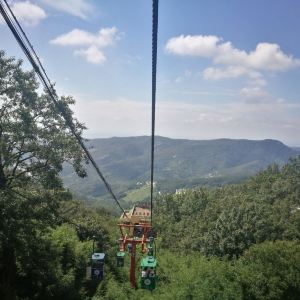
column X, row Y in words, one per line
column 179, row 163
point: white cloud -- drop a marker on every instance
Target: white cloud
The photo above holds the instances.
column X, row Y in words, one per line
column 238, row 119
column 95, row 43
column 74, row 38
column 229, row 72
column 265, row 57
column 198, row 45
column 92, row 55
column 103, row 38
column 270, row 57
column 255, row 95
column 27, row 13
column 78, row 8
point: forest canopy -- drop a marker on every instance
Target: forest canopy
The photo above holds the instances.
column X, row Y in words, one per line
column 234, row 242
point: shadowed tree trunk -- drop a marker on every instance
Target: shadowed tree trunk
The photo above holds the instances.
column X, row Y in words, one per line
column 8, row 273
column 2, row 179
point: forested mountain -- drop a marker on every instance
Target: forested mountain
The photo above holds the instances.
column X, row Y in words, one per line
column 178, row 163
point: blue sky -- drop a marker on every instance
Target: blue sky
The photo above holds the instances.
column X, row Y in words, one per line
column 225, row 68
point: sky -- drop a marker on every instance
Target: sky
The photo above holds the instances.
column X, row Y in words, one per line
column 226, row 69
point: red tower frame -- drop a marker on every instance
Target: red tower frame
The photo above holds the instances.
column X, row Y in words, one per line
column 128, row 237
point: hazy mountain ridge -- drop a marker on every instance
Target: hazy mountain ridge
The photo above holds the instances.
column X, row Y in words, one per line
column 178, row 162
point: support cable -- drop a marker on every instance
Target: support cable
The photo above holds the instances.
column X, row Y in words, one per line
column 37, row 66
column 28, row 42
column 154, row 66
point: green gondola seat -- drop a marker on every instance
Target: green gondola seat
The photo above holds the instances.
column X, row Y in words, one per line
column 148, row 273
column 120, row 258
column 97, row 271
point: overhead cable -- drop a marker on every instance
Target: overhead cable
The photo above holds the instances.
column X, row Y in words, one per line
column 22, row 39
column 154, row 66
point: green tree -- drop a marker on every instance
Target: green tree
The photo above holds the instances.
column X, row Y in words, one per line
column 34, row 144
column 226, row 221
column 270, row 270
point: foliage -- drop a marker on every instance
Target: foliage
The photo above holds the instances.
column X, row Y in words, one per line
column 34, row 139
column 271, row 271
column 34, row 144
column 195, row 277
column 23, row 221
column 228, row 220
column 54, row 267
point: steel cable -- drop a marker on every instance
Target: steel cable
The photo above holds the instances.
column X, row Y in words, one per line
column 154, row 67
column 48, row 87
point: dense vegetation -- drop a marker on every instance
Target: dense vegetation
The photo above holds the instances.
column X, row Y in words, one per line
column 226, row 221
column 236, row 242
column 34, row 144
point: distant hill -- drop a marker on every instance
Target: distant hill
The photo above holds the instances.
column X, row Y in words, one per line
column 179, row 163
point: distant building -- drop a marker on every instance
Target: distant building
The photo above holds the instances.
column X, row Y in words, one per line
column 180, row 191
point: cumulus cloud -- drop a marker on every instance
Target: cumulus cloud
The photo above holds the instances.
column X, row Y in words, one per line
column 270, row 57
column 239, row 119
column 78, row 8
column 197, row 45
column 27, row 13
column 103, row 38
column 94, row 43
column 229, row 72
column 265, row 57
column 92, row 55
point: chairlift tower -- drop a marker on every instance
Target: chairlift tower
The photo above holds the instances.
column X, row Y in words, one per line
column 135, row 229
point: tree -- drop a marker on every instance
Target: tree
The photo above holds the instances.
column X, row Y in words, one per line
column 270, row 270
column 34, row 144
column 34, row 139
